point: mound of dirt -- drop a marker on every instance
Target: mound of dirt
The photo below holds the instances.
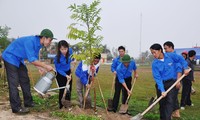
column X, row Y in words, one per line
column 101, row 113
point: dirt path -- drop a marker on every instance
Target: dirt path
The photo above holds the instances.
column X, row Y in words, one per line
column 6, row 114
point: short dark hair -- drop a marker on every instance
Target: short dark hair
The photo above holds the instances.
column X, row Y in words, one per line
column 191, row 53
column 169, row 43
column 156, row 46
column 97, row 56
column 121, row 47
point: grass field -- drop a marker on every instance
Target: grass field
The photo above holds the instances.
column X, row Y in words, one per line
column 143, row 90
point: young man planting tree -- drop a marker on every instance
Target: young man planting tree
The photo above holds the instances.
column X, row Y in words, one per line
column 123, row 79
column 169, row 47
column 24, row 48
column 83, row 78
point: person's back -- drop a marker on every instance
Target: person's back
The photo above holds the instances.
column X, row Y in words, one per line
column 20, row 48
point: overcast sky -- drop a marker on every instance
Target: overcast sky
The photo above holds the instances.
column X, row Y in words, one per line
column 161, row 20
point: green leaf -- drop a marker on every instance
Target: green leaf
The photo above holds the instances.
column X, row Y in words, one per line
column 87, row 24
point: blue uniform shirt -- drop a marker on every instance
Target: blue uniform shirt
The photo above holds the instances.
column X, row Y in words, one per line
column 63, row 66
column 178, row 68
column 21, row 49
column 124, row 72
column 115, row 63
column 165, row 70
column 83, row 70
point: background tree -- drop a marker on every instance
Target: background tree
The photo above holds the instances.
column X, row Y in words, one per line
column 115, row 52
column 87, row 24
column 4, row 42
column 145, row 58
column 107, row 51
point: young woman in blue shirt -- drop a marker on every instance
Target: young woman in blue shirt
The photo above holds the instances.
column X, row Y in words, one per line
column 62, row 63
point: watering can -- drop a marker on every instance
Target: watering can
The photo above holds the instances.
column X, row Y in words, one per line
column 44, row 83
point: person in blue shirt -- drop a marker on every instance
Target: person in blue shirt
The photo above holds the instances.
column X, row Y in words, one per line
column 163, row 70
column 169, row 47
column 24, row 48
column 123, row 79
column 115, row 63
column 83, row 78
column 62, row 63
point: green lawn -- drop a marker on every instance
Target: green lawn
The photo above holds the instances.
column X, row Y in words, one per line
column 143, row 90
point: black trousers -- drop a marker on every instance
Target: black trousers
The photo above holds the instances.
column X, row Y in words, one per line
column 118, row 88
column 167, row 103
column 176, row 105
column 186, row 90
column 18, row 76
column 62, row 80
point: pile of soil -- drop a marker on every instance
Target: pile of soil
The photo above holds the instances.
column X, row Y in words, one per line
column 101, row 113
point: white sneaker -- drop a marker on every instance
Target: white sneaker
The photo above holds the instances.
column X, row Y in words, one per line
column 182, row 108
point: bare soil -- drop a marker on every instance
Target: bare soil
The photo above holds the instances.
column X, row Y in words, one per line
column 6, row 113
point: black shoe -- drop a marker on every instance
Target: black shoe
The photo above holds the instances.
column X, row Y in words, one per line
column 114, row 110
column 22, row 111
column 30, row 105
column 110, row 109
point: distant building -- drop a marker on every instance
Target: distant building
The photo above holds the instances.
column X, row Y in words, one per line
column 197, row 49
column 197, row 59
column 104, row 58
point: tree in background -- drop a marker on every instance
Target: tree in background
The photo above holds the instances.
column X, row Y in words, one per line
column 145, row 58
column 4, row 42
column 107, row 51
column 87, row 24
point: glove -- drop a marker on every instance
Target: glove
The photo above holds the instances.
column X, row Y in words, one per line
column 67, row 87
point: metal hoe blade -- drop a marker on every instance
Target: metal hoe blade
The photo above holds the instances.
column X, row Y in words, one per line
column 123, row 108
column 137, row 117
column 110, row 104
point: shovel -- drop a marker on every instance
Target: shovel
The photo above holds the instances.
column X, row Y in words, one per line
column 124, row 107
column 85, row 97
column 66, row 103
column 140, row 115
column 86, row 101
column 110, row 101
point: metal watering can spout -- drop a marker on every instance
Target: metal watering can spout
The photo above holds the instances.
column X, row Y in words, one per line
column 45, row 82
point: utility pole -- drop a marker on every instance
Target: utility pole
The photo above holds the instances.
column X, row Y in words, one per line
column 140, row 33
